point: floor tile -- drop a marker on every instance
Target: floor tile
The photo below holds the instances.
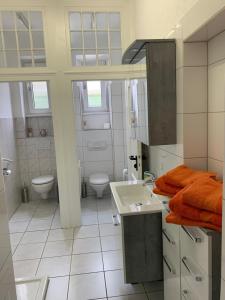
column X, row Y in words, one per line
column 57, row 288
column 25, row 268
column 28, row 251
column 87, row 286
column 156, row 296
column 132, row 297
column 58, row 248
column 89, row 219
column 22, row 216
column 18, row 226
column 109, row 229
column 60, row 234
column 86, row 263
column 54, row 266
column 86, row 245
column 86, row 231
column 56, row 223
column 113, row 242
column 116, row 287
column 41, row 224
column 35, row 237
column 113, row 260
column 15, row 238
column 105, row 218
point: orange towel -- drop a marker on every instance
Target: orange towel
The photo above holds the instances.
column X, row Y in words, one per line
column 164, row 188
column 175, row 219
column 205, row 193
column 178, row 206
column 182, row 176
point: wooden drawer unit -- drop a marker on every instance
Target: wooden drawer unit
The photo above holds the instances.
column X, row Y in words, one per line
column 171, row 279
column 187, row 293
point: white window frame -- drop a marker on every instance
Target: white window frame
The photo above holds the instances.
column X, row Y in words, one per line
column 30, row 100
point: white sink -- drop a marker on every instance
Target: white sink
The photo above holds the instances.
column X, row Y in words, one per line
column 132, row 197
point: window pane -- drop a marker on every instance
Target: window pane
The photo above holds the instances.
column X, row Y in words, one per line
column 40, row 95
column 36, row 20
column 10, row 40
column 94, row 93
column 88, row 21
column 38, row 39
column 77, row 57
column 25, row 58
column 103, row 57
column 101, row 21
column 114, row 21
column 116, row 57
column 115, row 39
column 76, row 40
column 24, row 39
column 1, row 44
column 89, row 40
column 102, row 40
column 75, row 21
column 90, row 57
column 22, row 20
column 2, row 60
column 12, row 59
column 8, row 21
column 39, row 58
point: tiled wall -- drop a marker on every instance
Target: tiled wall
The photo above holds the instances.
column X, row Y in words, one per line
column 110, row 160
column 216, row 102
column 8, row 149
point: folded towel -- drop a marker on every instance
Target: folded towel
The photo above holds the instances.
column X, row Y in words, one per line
column 182, row 176
column 205, row 193
column 178, row 206
column 164, row 188
column 176, row 219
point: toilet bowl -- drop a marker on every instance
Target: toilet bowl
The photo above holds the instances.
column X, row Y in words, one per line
column 99, row 182
column 43, row 185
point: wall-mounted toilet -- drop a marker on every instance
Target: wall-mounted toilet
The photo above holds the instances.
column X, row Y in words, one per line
column 43, row 185
column 99, row 182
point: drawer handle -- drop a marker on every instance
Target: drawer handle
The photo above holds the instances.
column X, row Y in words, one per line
column 170, row 268
column 195, row 239
column 187, row 266
column 116, row 220
column 185, row 294
column 171, row 241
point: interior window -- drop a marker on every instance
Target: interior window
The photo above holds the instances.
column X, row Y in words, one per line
column 38, row 98
column 94, row 94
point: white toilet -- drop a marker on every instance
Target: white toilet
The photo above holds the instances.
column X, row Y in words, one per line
column 43, row 185
column 99, row 182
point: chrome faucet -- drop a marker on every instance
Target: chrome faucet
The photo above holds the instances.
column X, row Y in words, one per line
column 150, row 179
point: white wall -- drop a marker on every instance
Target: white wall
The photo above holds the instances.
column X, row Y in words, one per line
column 154, row 19
column 8, row 149
column 216, row 102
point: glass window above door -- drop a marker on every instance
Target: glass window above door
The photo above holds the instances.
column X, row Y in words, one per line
column 95, row 38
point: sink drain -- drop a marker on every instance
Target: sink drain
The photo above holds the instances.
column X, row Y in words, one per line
column 139, row 204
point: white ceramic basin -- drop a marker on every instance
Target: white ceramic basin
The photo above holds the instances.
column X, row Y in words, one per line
column 135, row 198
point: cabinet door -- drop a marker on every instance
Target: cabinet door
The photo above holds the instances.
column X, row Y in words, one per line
column 161, row 86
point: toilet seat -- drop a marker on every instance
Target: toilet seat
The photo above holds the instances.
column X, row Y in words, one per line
column 99, row 178
column 42, row 180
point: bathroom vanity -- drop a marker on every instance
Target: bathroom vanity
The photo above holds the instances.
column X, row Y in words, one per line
column 141, row 224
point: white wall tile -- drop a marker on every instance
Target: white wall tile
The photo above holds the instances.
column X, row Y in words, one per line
column 117, row 105
column 118, row 137
column 117, row 120
column 215, row 166
column 116, row 88
column 96, row 135
column 216, row 136
column 216, row 48
column 101, row 155
column 180, row 90
column 195, row 54
column 196, row 163
column 195, row 135
column 195, row 89
column 119, row 153
column 96, row 167
column 216, row 87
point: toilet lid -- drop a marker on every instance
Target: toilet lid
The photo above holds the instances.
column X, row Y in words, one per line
column 43, row 179
column 99, row 178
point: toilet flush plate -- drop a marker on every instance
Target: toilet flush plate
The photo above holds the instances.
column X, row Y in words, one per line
column 32, row 288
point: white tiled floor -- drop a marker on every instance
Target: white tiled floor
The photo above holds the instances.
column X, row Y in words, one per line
column 82, row 263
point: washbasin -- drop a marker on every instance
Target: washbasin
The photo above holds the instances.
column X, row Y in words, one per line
column 133, row 197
